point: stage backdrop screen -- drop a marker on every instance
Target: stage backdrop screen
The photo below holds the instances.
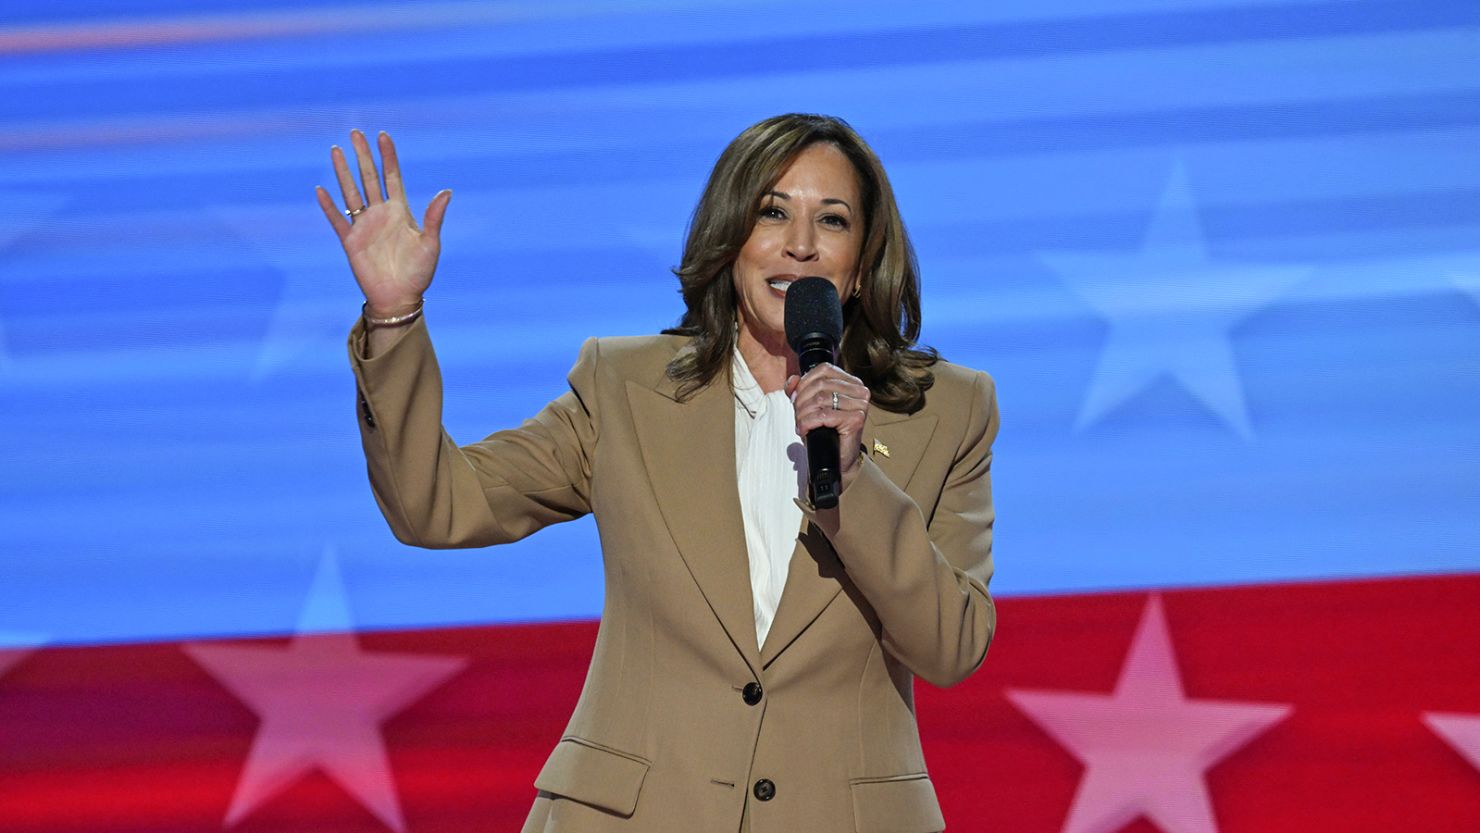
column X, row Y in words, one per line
column 1221, row 257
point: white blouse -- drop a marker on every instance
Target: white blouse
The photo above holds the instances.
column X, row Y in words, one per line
column 771, row 463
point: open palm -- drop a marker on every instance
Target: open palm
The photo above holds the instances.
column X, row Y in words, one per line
column 392, row 258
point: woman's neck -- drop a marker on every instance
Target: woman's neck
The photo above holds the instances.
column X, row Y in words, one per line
column 770, row 359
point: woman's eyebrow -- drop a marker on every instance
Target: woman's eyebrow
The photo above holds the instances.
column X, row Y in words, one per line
column 828, row 201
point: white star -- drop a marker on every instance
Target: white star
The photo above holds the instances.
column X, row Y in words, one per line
column 1146, row 746
column 321, row 701
column 1461, row 731
column 1170, row 311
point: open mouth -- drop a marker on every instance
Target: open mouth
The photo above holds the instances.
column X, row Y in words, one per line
column 781, row 283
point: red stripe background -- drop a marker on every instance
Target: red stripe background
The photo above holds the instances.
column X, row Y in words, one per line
column 140, row 738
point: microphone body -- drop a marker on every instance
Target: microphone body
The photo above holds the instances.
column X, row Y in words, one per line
column 824, row 468
column 814, row 326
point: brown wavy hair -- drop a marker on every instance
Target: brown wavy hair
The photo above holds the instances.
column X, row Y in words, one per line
column 880, row 324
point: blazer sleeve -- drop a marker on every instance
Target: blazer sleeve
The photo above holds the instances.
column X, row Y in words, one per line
column 928, row 584
column 434, row 493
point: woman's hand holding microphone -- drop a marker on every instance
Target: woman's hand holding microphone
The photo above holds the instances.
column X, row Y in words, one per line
column 393, row 260
column 828, row 396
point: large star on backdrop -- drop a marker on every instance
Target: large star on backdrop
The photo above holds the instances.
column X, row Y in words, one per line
column 321, row 701
column 1461, row 731
column 1146, row 746
column 1170, row 310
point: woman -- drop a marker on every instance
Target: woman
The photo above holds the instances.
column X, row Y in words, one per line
column 755, row 661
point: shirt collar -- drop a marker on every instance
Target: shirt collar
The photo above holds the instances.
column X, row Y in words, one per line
column 747, row 390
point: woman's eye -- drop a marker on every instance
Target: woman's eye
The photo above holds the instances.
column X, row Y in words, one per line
column 836, row 221
column 772, row 212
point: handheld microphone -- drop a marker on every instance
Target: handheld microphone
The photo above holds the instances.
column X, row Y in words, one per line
column 814, row 326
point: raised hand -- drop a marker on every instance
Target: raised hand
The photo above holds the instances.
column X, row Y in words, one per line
column 392, row 259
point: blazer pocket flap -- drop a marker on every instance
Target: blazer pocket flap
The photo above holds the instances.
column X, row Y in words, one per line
column 899, row 804
column 583, row 771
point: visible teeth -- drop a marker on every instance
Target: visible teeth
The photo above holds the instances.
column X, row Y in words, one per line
column 779, row 283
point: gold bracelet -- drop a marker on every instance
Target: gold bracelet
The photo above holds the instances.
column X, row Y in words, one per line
column 394, row 320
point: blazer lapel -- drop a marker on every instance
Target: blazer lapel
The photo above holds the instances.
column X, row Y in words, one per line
column 895, row 442
column 689, row 451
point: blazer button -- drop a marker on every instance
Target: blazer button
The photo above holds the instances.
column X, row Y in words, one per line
column 765, row 790
column 752, row 693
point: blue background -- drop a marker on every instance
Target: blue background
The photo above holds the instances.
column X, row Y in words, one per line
column 1222, row 256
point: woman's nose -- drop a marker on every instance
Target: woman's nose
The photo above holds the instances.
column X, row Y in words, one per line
column 801, row 242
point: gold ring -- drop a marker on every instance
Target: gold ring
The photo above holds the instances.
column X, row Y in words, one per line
column 355, row 212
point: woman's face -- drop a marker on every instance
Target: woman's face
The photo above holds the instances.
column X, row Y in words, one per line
column 810, row 223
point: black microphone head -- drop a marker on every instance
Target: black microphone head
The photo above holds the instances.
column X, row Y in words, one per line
column 813, row 308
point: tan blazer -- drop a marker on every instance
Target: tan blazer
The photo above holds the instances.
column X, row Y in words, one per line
column 685, row 724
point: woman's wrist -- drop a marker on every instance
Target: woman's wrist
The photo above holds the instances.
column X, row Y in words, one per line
column 850, row 466
column 394, row 316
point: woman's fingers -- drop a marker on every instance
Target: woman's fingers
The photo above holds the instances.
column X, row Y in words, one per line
column 432, row 224
column 336, row 219
column 394, row 189
column 369, row 177
column 813, row 397
column 848, row 412
column 821, row 381
column 347, row 187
